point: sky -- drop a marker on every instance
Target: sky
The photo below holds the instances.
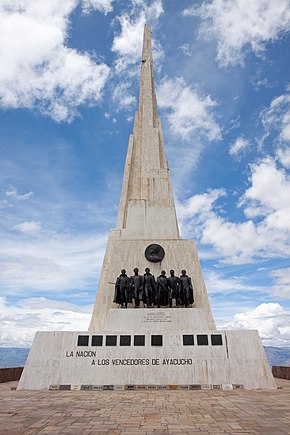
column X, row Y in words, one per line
column 69, row 85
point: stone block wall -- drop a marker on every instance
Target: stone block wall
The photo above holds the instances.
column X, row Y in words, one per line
column 281, row 372
column 10, row 374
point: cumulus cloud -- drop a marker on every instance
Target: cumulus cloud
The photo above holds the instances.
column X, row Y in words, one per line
column 265, row 233
column 127, row 44
column 20, row 321
column 269, row 195
column 240, row 145
column 122, row 97
column 188, row 112
column 270, row 319
column 31, row 227
column 200, row 203
column 195, row 209
column 38, row 69
column 239, row 26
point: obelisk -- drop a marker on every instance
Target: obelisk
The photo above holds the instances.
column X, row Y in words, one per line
column 147, row 211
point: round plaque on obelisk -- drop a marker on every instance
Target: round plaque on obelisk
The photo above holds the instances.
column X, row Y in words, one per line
column 154, row 253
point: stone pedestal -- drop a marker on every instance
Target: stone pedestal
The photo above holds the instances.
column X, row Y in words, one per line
column 149, row 357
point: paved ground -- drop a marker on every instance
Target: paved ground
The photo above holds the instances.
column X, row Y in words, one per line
column 145, row 412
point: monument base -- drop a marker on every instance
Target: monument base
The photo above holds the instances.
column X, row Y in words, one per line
column 138, row 359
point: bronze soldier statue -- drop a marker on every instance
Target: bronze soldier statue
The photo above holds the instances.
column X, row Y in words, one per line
column 149, row 287
column 162, row 289
column 173, row 289
column 122, row 289
column 136, row 287
column 186, row 289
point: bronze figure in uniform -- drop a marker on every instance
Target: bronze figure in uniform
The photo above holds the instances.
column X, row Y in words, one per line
column 149, row 287
column 162, row 289
column 137, row 288
column 122, row 289
column 173, row 289
column 186, row 289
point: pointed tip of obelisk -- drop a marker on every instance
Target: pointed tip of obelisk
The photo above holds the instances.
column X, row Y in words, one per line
column 147, row 31
column 146, row 38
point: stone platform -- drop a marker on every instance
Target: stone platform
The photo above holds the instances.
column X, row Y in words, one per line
column 121, row 360
column 145, row 412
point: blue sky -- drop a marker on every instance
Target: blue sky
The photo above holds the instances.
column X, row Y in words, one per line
column 68, row 92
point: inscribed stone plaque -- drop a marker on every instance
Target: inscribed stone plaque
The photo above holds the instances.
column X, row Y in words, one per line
column 108, row 387
column 97, row 340
column 125, row 340
column 111, row 340
column 64, row 387
column 188, row 340
column 156, row 340
column 202, row 340
column 216, row 340
column 139, row 340
column 83, row 340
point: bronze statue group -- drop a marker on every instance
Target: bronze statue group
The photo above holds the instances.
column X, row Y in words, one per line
column 153, row 293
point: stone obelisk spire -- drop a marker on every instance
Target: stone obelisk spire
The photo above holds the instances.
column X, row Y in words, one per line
column 147, row 212
column 146, row 205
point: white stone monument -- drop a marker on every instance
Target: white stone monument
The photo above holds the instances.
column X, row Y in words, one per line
column 147, row 348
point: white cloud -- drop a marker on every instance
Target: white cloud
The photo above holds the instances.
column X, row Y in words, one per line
column 38, row 69
column 270, row 319
column 261, row 83
column 12, row 192
column 235, row 242
column 242, row 25
column 200, row 203
column 20, row 321
column 277, row 118
column 196, row 209
column 104, row 6
column 188, row 111
column 238, row 146
column 283, row 155
column 281, row 286
column 268, row 199
column 128, row 43
column 122, row 97
column 270, row 191
column 51, row 262
column 31, row 227
column 216, row 283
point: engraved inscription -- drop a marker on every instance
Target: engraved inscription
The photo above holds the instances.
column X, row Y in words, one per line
column 156, row 317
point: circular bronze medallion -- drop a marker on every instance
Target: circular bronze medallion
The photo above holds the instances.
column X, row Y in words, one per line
column 154, row 253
